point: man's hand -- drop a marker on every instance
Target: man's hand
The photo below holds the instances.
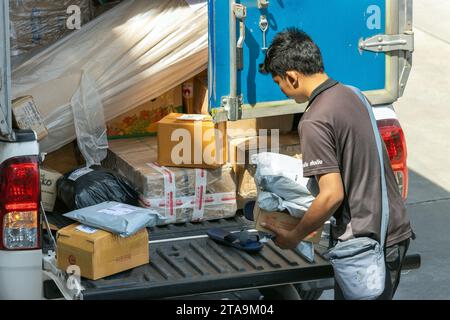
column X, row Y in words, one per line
column 323, row 207
column 284, row 239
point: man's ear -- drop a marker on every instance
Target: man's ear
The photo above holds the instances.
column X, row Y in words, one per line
column 293, row 78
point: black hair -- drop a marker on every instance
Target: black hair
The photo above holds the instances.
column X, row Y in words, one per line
column 292, row 49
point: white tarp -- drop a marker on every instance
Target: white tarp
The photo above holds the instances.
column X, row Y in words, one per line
column 129, row 55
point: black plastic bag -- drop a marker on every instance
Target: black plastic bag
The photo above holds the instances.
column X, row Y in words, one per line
column 87, row 187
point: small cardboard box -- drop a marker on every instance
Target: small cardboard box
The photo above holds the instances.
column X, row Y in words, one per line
column 240, row 151
column 98, row 253
column 191, row 141
column 143, row 120
column 201, row 96
column 27, row 116
column 252, row 127
column 281, row 220
column 65, row 159
column 195, row 94
column 49, row 179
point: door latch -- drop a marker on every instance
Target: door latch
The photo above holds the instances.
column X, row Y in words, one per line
column 264, row 25
column 388, row 43
column 232, row 105
column 263, row 4
column 240, row 11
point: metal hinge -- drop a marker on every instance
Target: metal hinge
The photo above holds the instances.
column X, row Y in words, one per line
column 232, row 105
column 403, row 43
column 388, row 43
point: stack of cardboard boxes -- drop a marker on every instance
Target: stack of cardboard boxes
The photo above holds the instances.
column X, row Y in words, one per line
column 181, row 194
column 190, row 144
column 142, row 121
column 192, row 171
column 184, row 166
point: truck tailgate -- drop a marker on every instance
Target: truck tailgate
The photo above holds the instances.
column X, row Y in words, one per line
column 185, row 262
column 195, row 264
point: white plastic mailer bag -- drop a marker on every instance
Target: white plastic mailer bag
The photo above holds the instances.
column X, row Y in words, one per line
column 282, row 185
column 131, row 54
column 117, row 218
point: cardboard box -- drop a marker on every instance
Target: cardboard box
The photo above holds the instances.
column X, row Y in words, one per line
column 195, row 94
column 240, row 151
column 195, row 143
column 252, row 127
column 27, row 116
column 283, row 221
column 65, row 159
column 197, row 194
column 98, row 253
column 188, row 96
column 143, row 120
column 49, row 179
column 201, row 96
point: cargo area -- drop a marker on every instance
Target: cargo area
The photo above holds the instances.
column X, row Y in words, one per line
column 113, row 106
column 119, row 94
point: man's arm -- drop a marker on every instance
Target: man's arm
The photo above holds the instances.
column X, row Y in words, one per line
column 323, row 207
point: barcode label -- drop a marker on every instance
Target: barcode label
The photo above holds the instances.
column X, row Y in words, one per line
column 119, row 210
column 192, row 117
column 79, row 173
column 86, row 229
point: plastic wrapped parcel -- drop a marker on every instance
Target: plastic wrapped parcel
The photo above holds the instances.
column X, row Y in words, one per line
column 117, row 218
column 282, row 185
column 129, row 55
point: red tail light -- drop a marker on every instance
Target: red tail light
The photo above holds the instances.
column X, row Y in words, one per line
column 395, row 142
column 19, row 204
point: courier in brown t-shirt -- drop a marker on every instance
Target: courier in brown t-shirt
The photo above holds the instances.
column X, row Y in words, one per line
column 340, row 152
column 336, row 136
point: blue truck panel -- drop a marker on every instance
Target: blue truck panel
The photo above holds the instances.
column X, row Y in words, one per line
column 336, row 25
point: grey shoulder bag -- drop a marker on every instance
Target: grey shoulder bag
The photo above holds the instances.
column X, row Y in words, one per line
column 359, row 264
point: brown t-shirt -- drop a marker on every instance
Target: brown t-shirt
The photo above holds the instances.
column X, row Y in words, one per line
column 336, row 136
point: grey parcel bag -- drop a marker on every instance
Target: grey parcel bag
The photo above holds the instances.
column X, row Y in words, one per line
column 281, row 184
column 117, row 218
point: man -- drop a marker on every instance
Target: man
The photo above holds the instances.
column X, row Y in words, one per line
column 340, row 152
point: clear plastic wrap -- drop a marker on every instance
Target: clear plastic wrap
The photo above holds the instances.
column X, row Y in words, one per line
column 89, row 122
column 179, row 194
column 133, row 53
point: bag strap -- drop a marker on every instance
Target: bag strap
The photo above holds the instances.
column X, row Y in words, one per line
column 384, row 195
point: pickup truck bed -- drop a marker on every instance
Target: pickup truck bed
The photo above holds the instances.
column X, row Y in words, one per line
column 185, row 262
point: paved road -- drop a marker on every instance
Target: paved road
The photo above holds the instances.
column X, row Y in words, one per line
column 424, row 112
